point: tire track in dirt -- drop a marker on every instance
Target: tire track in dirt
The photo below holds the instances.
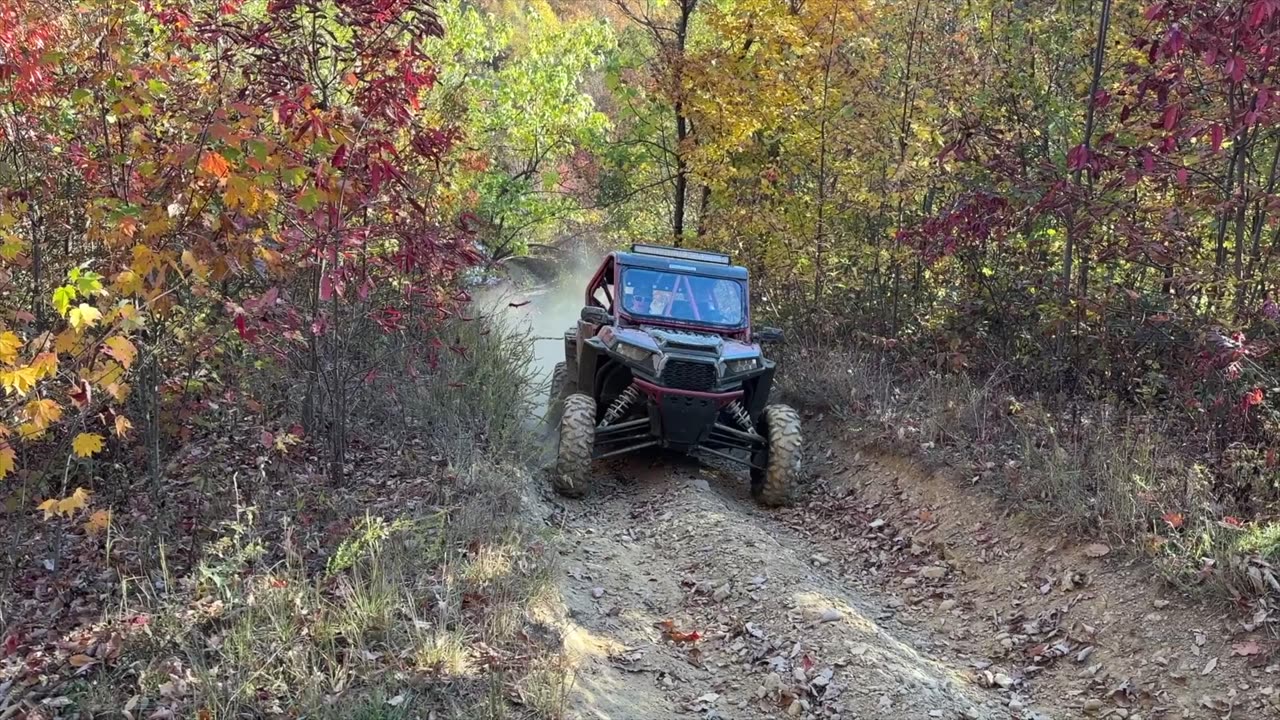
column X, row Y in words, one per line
column 661, row 548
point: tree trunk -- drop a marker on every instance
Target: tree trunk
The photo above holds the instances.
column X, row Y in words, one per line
column 682, row 177
column 682, row 122
column 1245, row 283
column 1235, row 168
column 703, row 208
column 820, row 228
column 1069, row 245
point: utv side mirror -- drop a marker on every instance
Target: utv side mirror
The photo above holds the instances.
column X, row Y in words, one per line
column 767, row 335
column 595, row 315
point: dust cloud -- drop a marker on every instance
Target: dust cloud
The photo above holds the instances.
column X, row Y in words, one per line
column 544, row 312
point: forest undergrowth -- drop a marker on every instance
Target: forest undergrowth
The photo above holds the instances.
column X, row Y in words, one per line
column 256, row 585
column 1093, row 470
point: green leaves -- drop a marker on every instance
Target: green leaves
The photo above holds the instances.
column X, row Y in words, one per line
column 294, row 175
column 522, row 77
column 83, row 284
column 87, row 282
column 62, row 298
column 309, row 199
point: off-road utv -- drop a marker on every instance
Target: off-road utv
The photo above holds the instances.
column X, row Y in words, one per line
column 664, row 356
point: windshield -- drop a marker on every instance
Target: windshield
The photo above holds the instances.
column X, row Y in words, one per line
column 686, row 298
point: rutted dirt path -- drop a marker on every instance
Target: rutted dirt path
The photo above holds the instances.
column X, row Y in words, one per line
column 888, row 592
column 663, row 550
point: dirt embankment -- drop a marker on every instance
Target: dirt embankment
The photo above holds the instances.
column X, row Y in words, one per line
column 889, row 591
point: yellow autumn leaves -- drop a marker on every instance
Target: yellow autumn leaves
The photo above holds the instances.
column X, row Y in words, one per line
column 87, row 444
column 9, row 345
column 52, row 375
column 39, row 415
column 25, row 363
column 16, row 378
column 77, row 500
column 97, row 521
column 84, row 445
column 20, row 380
column 121, row 349
column 84, row 316
column 11, row 243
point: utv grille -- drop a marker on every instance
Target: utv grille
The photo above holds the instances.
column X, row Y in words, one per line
column 685, row 340
column 677, row 345
column 686, row 375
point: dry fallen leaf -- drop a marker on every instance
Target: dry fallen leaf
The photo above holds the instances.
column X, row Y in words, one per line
column 1216, row 704
column 1247, row 648
column 1097, row 550
column 1209, row 666
column 80, row 660
column 668, row 628
column 98, row 522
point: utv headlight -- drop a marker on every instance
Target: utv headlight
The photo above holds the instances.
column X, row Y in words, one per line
column 737, row 367
column 635, row 354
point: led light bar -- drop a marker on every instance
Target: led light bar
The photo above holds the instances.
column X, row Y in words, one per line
column 680, row 253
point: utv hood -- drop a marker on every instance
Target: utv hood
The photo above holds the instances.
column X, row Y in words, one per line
column 664, row 340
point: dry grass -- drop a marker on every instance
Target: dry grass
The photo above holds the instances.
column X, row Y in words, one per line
column 428, row 610
column 474, row 398
column 853, row 386
column 425, row 606
column 1094, row 470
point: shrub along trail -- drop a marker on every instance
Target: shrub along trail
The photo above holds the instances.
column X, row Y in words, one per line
column 887, row 591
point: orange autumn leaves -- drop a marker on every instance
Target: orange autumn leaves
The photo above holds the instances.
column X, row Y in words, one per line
column 215, row 165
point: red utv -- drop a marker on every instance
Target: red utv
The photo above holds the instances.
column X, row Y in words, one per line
column 663, row 356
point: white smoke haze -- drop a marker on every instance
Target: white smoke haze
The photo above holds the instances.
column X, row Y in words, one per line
column 545, row 312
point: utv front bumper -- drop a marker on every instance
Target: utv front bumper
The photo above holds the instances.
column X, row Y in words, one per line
column 680, row 420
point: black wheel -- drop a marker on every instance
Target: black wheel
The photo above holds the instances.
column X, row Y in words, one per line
column 559, row 391
column 780, row 426
column 577, row 438
column 563, row 384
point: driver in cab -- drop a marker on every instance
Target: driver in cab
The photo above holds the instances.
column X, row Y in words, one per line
column 643, row 298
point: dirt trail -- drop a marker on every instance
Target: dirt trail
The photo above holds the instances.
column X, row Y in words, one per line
column 888, row 592
column 665, row 549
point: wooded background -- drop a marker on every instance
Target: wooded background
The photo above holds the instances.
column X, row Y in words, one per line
column 259, row 212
